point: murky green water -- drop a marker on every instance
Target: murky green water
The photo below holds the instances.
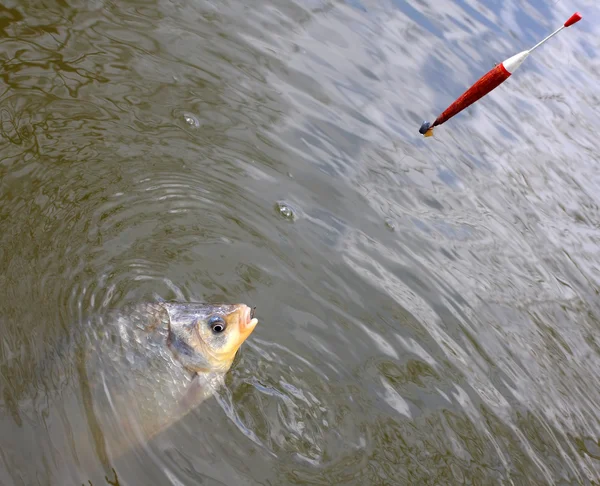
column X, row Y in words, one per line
column 428, row 308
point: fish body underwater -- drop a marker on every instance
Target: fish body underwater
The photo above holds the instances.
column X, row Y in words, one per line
column 133, row 373
column 156, row 362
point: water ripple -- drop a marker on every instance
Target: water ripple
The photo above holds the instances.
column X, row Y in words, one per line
column 431, row 314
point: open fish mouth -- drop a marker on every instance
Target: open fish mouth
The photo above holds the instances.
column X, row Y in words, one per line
column 248, row 319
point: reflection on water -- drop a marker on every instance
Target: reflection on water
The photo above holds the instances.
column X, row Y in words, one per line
column 428, row 308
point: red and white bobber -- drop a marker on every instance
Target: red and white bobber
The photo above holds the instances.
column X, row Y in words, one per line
column 500, row 73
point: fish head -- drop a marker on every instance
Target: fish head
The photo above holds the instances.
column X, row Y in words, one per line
column 206, row 337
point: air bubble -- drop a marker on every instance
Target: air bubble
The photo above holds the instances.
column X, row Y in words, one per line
column 285, row 211
column 191, row 120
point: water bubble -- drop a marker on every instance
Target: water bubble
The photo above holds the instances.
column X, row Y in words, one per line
column 191, row 120
column 285, row 210
column 389, row 224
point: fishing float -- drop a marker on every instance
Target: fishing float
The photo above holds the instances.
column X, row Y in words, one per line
column 494, row 78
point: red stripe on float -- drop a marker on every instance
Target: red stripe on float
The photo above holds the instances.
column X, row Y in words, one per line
column 483, row 86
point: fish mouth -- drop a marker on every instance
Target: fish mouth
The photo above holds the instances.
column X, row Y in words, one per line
column 247, row 321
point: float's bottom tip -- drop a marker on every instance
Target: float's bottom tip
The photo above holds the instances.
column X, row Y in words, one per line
column 428, row 133
column 425, row 127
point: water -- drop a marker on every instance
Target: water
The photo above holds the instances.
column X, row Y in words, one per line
column 428, row 307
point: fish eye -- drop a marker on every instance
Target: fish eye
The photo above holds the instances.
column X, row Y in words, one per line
column 216, row 324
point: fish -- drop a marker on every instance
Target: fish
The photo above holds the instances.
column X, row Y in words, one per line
column 137, row 371
column 156, row 362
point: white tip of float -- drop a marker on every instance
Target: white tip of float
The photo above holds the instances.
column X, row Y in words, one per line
column 512, row 63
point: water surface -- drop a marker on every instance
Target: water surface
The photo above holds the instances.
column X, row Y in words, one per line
column 428, row 307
